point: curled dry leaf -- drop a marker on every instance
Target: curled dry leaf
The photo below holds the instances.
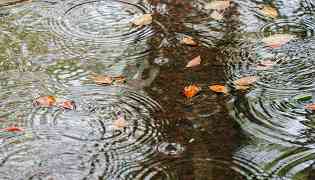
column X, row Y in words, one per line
column 12, row 129
column 66, row 104
column 277, row 40
column 310, row 107
column 188, row 41
column 194, row 62
column 246, row 81
column 216, row 15
column 218, row 5
column 145, row 19
column 218, row 88
column 268, row 11
column 103, row 80
column 265, row 65
column 191, row 90
column 44, row 101
column 120, row 122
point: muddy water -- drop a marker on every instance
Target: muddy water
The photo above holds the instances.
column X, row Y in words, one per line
column 51, row 47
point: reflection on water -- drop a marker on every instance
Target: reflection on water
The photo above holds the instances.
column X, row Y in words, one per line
column 52, row 48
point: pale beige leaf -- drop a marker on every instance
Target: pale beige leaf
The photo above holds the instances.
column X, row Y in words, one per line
column 216, row 15
column 100, row 79
column 218, row 5
column 145, row 19
column 268, row 11
column 277, row 40
column 194, row 62
column 265, row 65
column 188, row 41
column 120, row 122
column 246, row 81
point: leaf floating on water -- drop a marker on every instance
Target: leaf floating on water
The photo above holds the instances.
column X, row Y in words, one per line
column 191, row 90
column 12, row 129
column 66, row 104
column 188, row 41
column 310, row 107
column 102, row 80
column 268, row 11
column 145, row 19
column 119, row 80
column 218, row 5
column 216, row 15
column 265, row 65
column 120, row 122
column 44, row 101
column 194, row 62
column 277, row 40
column 218, row 88
column 243, row 82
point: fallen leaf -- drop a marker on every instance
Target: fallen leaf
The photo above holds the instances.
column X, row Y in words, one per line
column 45, row 101
column 216, row 15
column 268, row 11
column 12, row 129
column 120, row 122
column 218, row 88
column 277, row 40
column 265, row 65
column 191, row 90
column 188, row 41
column 242, row 88
column 145, row 19
column 66, row 104
column 100, row 79
column 119, row 79
column 310, row 107
column 246, row 81
column 194, row 62
column 218, row 5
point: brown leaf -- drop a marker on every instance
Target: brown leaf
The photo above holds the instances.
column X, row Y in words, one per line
column 191, row 90
column 194, row 62
column 216, row 15
column 268, row 11
column 218, row 88
column 277, row 40
column 265, row 65
column 188, row 41
column 310, row 107
column 218, row 5
column 246, row 81
column 120, row 122
column 12, row 129
column 103, row 80
column 45, row 101
column 119, row 79
column 145, row 19
column 66, row 104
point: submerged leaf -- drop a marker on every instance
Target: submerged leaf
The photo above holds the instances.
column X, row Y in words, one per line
column 218, row 5
column 145, row 19
column 265, row 65
column 194, row 62
column 44, row 101
column 277, row 40
column 191, row 90
column 102, row 80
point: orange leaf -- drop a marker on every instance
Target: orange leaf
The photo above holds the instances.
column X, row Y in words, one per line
column 218, row 88
column 66, row 104
column 246, row 81
column 44, row 101
column 310, row 107
column 191, row 90
column 100, row 79
column 12, row 129
column 194, row 62
column 188, row 41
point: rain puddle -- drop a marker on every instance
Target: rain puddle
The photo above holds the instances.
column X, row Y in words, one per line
column 88, row 93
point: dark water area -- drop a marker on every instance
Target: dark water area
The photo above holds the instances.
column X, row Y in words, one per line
column 52, row 47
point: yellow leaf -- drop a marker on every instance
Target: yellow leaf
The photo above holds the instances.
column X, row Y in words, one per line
column 245, row 81
column 218, row 5
column 194, row 62
column 145, row 19
column 191, row 90
column 277, row 40
column 268, row 11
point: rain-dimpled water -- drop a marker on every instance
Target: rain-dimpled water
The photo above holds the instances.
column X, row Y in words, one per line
column 55, row 47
